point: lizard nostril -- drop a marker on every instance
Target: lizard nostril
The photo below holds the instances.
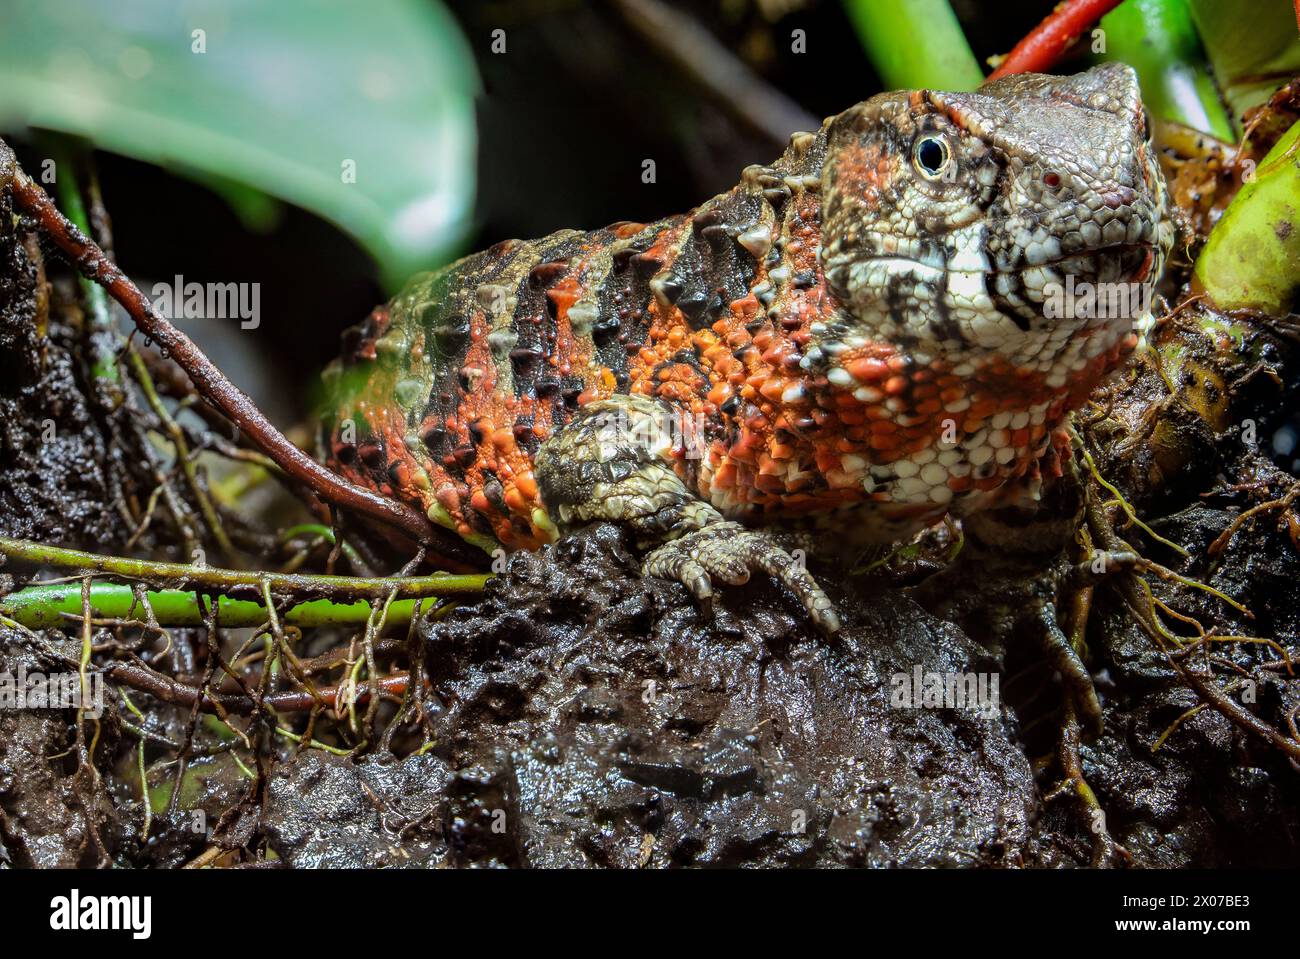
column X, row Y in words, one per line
column 1052, row 179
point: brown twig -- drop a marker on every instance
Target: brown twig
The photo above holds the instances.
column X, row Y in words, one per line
column 172, row 691
column 92, row 263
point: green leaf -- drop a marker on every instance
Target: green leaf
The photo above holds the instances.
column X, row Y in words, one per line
column 280, row 97
column 1252, row 258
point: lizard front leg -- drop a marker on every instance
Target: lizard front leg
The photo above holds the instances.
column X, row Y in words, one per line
column 614, row 462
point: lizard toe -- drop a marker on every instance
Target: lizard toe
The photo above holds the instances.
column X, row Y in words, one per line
column 729, row 552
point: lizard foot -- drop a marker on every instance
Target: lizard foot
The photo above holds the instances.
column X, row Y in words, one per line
column 729, row 552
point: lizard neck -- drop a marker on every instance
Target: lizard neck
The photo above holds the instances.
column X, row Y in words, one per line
column 837, row 417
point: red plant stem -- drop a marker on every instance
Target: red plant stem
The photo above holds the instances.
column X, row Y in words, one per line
column 211, row 383
column 1047, row 42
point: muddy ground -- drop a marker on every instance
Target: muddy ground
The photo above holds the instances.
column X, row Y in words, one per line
column 587, row 717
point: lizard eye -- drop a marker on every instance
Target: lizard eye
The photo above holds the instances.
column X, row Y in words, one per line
column 931, row 156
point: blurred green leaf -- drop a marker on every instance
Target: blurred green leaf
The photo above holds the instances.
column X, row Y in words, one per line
column 282, row 97
column 1158, row 39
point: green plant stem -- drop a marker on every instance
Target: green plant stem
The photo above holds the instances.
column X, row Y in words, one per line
column 327, row 534
column 915, row 43
column 182, row 452
column 182, row 576
column 1252, row 45
column 1158, row 39
column 99, row 325
column 42, row 607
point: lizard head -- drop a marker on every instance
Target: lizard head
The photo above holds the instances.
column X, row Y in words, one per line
column 961, row 224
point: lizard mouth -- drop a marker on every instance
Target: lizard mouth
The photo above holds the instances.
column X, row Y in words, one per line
column 1112, row 262
column 867, row 282
column 1120, row 250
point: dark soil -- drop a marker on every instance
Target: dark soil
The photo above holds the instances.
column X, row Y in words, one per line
column 53, row 486
column 592, row 718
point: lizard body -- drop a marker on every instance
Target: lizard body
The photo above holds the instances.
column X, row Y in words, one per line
column 851, row 341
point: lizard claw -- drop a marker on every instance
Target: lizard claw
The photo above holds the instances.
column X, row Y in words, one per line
column 729, row 551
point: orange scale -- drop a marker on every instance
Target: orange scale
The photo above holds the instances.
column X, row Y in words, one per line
column 772, row 389
column 897, row 364
column 526, row 485
column 852, row 417
column 515, row 501
column 929, row 406
column 867, row 369
column 448, row 499
column 884, row 441
column 896, row 385
column 878, row 413
column 880, row 427
column 827, row 462
column 1020, row 438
